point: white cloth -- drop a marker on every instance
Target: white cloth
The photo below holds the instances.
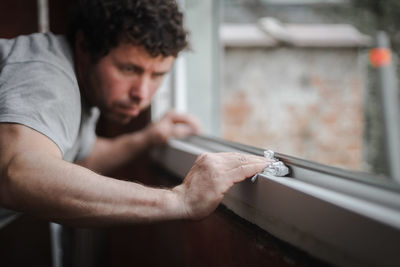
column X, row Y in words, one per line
column 276, row 168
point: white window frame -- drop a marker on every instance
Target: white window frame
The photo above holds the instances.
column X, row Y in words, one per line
column 193, row 84
column 303, row 2
column 342, row 217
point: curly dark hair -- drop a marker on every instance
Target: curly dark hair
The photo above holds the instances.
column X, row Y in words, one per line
column 156, row 25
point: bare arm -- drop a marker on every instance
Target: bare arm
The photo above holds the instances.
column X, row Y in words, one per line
column 34, row 179
column 109, row 154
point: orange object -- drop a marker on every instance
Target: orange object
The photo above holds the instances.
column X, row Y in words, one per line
column 379, row 57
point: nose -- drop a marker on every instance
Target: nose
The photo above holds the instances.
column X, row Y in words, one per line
column 139, row 89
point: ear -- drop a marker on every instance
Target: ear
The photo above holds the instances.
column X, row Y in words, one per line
column 80, row 50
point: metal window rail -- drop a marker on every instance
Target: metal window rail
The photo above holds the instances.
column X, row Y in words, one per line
column 43, row 15
column 343, row 217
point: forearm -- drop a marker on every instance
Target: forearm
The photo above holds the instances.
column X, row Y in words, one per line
column 56, row 190
column 110, row 154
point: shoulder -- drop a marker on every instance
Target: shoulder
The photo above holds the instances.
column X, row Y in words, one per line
column 42, row 98
column 39, row 47
column 34, row 64
column 38, row 88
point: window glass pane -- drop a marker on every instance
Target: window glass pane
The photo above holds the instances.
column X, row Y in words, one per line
column 202, row 67
column 292, row 77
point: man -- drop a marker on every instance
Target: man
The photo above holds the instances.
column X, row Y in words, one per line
column 50, row 92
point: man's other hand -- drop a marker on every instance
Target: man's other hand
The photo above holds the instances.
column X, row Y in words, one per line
column 172, row 125
column 211, row 176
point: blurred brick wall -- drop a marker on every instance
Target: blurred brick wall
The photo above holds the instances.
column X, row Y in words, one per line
column 301, row 102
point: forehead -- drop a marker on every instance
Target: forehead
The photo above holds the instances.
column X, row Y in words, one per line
column 129, row 54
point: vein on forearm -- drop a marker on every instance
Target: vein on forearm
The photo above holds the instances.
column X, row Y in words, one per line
column 54, row 189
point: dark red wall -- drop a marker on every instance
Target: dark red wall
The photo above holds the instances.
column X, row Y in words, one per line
column 17, row 17
column 26, row 241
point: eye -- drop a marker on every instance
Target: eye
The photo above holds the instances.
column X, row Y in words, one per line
column 127, row 68
column 158, row 75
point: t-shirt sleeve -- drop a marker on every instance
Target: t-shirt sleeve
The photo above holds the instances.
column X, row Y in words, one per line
column 43, row 97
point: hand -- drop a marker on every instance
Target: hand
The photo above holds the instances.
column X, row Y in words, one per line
column 172, row 125
column 211, row 176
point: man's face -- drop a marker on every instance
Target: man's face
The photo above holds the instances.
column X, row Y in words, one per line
column 123, row 82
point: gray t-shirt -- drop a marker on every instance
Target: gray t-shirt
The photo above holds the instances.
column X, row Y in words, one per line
column 39, row 89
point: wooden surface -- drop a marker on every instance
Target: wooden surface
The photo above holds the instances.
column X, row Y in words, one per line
column 222, row 239
column 25, row 242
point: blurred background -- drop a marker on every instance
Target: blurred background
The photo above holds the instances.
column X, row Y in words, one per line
column 294, row 76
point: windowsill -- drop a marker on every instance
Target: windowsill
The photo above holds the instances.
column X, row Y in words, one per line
column 297, row 35
column 336, row 215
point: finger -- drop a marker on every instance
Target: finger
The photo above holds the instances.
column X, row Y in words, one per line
column 181, row 131
column 246, row 171
column 186, row 119
column 231, row 160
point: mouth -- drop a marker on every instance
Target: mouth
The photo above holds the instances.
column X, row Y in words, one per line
column 129, row 110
